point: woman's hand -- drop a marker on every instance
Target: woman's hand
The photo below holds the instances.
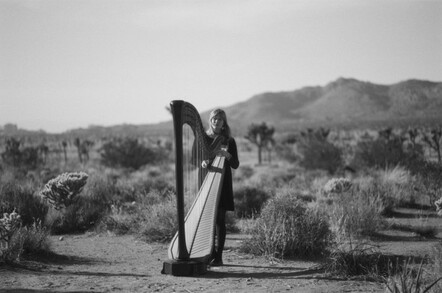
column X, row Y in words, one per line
column 205, row 164
column 224, row 153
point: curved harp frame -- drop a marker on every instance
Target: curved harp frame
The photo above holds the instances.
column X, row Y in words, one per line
column 195, row 236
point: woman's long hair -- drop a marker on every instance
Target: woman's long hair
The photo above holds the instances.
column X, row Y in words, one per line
column 225, row 131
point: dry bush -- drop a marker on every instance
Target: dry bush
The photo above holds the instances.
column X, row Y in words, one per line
column 320, row 154
column 243, row 173
column 62, row 191
column 286, row 227
column 355, row 259
column 17, row 240
column 20, row 196
column 428, row 180
column 249, row 200
column 383, row 152
column 402, row 187
column 159, row 222
column 410, row 279
column 20, row 157
column 356, row 212
column 82, row 215
column 130, row 153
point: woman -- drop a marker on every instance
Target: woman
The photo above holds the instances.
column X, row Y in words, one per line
column 218, row 126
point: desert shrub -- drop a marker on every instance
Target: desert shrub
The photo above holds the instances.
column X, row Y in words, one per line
column 127, row 153
column 249, row 200
column 30, row 158
column 17, row 240
column 121, row 219
column 428, row 176
column 337, row 185
column 318, row 153
column 36, row 239
column 356, row 259
column 153, row 217
column 304, row 194
column 10, row 223
column 438, row 204
column 410, row 279
column 158, row 222
column 400, row 187
column 356, row 212
column 14, row 196
column 243, row 173
column 397, row 175
column 80, row 216
column 159, row 184
column 382, row 153
column 271, row 178
column 286, row 227
column 71, row 212
column 245, row 225
column 436, row 257
column 108, row 190
column 231, row 225
column 287, row 152
column 62, row 191
column 15, row 156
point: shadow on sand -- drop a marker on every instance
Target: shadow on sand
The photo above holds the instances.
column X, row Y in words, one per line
column 261, row 272
column 21, row 290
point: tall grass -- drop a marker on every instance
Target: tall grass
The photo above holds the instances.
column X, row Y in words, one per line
column 19, row 196
column 249, row 200
column 410, row 279
column 401, row 185
column 286, row 227
column 356, row 213
column 17, row 240
column 356, row 259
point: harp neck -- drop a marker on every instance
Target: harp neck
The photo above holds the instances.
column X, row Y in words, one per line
column 185, row 113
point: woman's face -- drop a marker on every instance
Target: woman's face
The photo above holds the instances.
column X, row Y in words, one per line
column 217, row 124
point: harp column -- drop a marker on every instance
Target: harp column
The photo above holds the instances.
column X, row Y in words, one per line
column 183, row 265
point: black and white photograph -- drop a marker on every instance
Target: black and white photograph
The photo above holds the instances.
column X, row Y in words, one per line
column 221, row 146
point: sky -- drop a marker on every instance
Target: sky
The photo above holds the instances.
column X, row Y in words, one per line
column 66, row 64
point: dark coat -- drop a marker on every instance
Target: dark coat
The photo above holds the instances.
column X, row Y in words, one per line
column 226, row 199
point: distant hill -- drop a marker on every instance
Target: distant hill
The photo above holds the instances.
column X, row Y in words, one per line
column 345, row 103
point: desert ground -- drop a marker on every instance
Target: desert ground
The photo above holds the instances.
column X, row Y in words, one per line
column 106, row 263
column 100, row 262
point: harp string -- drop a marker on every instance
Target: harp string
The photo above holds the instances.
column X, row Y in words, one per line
column 192, row 158
column 197, row 231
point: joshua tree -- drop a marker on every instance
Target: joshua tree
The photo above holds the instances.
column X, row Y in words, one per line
column 412, row 135
column 43, row 151
column 433, row 139
column 262, row 136
column 83, row 148
column 64, row 144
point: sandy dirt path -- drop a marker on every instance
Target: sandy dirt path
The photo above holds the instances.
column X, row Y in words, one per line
column 105, row 263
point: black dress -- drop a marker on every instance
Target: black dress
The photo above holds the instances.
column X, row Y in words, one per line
column 226, row 199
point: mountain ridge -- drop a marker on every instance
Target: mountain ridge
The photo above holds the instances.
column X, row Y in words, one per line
column 344, row 103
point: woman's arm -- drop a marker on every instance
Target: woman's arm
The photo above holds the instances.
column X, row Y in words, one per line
column 233, row 152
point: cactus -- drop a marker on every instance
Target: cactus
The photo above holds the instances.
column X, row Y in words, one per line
column 61, row 191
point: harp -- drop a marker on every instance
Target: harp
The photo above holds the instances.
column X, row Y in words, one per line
column 191, row 247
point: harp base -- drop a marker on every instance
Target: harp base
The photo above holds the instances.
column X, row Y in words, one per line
column 184, row 267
